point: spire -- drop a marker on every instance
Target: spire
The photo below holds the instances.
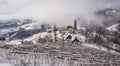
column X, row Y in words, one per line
column 55, row 35
column 75, row 24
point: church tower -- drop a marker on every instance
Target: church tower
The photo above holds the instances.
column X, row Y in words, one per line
column 75, row 24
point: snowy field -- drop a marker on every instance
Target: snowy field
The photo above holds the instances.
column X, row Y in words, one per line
column 4, row 62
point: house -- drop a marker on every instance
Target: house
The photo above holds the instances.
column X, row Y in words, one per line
column 75, row 40
column 69, row 37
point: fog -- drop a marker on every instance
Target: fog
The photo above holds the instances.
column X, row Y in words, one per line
column 61, row 12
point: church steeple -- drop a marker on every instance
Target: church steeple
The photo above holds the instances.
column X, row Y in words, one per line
column 75, row 24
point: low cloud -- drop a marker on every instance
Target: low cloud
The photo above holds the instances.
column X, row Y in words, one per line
column 60, row 12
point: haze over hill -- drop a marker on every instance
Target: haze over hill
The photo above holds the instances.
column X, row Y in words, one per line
column 60, row 32
column 60, row 12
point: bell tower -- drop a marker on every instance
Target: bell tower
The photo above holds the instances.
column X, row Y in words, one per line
column 75, row 24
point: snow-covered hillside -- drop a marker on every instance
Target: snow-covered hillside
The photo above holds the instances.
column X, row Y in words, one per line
column 21, row 28
column 113, row 27
column 29, row 26
column 110, row 12
column 59, row 35
column 12, row 25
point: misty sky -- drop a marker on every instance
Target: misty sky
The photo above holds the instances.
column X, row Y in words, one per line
column 52, row 9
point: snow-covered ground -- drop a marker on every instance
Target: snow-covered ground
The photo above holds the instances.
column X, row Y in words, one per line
column 4, row 62
column 4, row 31
column 30, row 26
column 113, row 27
column 14, row 42
column 100, row 48
column 35, row 37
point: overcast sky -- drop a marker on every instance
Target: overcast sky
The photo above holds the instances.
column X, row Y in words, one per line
column 57, row 10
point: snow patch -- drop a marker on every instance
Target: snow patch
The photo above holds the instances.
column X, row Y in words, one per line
column 4, row 62
column 113, row 27
column 14, row 42
column 30, row 26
